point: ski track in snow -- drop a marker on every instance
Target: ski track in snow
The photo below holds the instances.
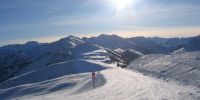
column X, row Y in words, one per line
column 114, row 84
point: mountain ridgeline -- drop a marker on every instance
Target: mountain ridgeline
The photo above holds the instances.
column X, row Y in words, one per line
column 16, row 59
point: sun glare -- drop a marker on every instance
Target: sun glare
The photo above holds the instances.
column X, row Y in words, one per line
column 120, row 5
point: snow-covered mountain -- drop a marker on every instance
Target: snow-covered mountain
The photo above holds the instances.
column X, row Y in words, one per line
column 62, row 69
column 20, row 59
column 16, row 57
column 160, row 45
column 69, row 53
column 115, row 42
column 33, row 55
column 193, row 44
column 146, row 45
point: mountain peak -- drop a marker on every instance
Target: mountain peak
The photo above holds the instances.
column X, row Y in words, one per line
column 71, row 39
column 108, row 36
column 32, row 43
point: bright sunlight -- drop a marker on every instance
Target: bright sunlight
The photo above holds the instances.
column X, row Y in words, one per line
column 120, row 5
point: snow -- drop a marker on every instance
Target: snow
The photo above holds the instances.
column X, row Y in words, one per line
column 135, row 52
column 183, row 67
column 181, row 50
column 112, row 84
column 52, row 71
column 13, row 58
column 118, row 50
column 100, row 55
column 63, row 71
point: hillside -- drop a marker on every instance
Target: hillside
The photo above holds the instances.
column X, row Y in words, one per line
column 19, row 59
column 22, row 58
column 62, row 69
column 183, row 67
column 111, row 84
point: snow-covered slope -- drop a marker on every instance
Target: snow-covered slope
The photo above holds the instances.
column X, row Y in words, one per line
column 183, row 67
column 51, row 72
column 82, row 51
column 125, row 56
column 20, row 59
column 130, row 55
column 111, row 84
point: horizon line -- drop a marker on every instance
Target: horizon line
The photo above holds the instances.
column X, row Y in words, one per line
column 50, row 39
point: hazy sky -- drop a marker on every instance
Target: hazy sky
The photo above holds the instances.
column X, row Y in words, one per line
column 48, row 20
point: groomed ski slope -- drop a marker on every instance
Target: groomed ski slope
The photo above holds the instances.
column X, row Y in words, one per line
column 112, row 84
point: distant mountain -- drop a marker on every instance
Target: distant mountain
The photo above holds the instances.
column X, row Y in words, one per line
column 160, row 45
column 193, row 44
column 115, row 42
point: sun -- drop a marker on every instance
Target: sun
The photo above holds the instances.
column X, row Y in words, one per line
column 120, row 5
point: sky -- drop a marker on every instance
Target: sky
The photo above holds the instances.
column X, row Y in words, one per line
column 49, row 20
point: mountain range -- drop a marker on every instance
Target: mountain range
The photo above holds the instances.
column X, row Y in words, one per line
column 39, row 70
column 16, row 57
